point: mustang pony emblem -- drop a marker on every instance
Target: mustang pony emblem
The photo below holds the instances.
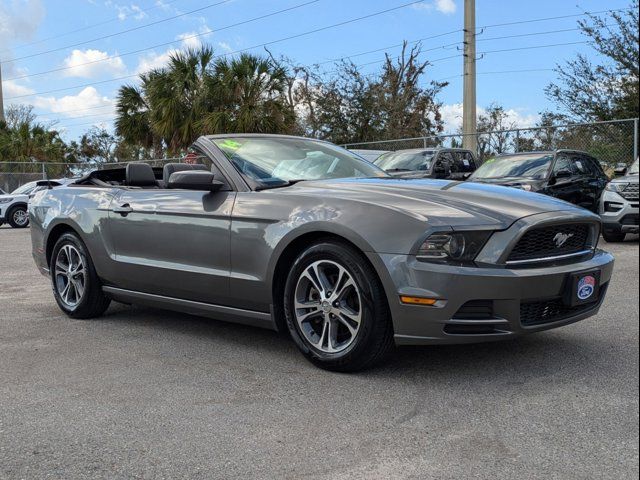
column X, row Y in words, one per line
column 561, row 238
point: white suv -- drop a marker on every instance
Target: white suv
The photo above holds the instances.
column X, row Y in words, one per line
column 13, row 206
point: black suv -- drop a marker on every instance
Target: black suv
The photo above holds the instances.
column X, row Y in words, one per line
column 569, row 175
column 451, row 163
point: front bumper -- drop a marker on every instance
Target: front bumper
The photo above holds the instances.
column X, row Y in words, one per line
column 508, row 291
column 625, row 217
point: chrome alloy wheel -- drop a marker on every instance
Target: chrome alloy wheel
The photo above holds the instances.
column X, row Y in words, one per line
column 70, row 275
column 20, row 217
column 328, row 306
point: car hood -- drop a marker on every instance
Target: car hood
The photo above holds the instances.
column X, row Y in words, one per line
column 441, row 202
column 626, row 179
column 510, row 181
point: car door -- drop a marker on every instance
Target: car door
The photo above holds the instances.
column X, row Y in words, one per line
column 463, row 165
column 442, row 165
column 564, row 182
column 173, row 242
column 595, row 180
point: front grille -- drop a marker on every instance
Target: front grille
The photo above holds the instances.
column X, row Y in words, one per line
column 631, row 192
column 631, row 219
column 475, row 310
column 550, row 310
column 539, row 243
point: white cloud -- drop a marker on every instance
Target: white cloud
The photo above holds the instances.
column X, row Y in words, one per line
column 452, row 117
column 11, row 89
column 152, row 61
column 19, row 20
column 127, row 11
column 225, row 46
column 76, row 105
column 194, row 39
column 93, row 63
column 448, row 7
column 155, row 60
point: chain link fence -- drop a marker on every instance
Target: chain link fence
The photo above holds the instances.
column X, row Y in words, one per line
column 15, row 174
column 610, row 142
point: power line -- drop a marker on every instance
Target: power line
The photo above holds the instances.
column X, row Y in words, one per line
column 533, row 47
column 291, row 37
column 392, row 46
column 128, row 30
column 70, row 32
column 55, row 90
column 520, row 22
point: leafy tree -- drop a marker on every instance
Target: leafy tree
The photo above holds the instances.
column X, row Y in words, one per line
column 97, row 145
column 348, row 106
column 606, row 90
column 494, row 135
column 194, row 95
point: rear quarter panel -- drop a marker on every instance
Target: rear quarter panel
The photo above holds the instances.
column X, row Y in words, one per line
column 83, row 209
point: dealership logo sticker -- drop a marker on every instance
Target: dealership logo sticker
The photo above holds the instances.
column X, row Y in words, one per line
column 586, row 287
column 561, row 238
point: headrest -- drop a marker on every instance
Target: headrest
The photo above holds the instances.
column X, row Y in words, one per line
column 170, row 168
column 140, row 175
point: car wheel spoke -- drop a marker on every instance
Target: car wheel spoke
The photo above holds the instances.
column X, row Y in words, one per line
column 70, row 275
column 327, row 306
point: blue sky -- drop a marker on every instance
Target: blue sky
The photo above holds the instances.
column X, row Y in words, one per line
column 81, row 41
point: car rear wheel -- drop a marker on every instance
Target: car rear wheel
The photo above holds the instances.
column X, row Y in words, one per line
column 336, row 310
column 76, row 286
column 18, row 217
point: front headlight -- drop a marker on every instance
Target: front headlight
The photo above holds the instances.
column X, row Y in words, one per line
column 616, row 186
column 452, row 247
column 6, row 200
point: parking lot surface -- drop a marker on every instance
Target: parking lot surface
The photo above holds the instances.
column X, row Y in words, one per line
column 144, row 393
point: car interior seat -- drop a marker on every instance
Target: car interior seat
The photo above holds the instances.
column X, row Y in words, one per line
column 170, row 168
column 140, row 175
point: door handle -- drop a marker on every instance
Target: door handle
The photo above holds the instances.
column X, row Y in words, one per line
column 123, row 209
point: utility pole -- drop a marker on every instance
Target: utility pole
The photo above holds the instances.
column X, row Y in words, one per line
column 1, row 103
column 469, row 121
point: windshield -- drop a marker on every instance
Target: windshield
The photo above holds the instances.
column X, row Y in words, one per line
column 534, row 166
column 273, row 161
column 406, row 160
column 633, row 169
column 24, row 189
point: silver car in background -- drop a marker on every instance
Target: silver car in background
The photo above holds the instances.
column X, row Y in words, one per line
column 304, row 237
column 619, row 206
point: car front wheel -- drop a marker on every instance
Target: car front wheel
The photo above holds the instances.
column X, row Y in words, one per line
column 18, row 217
column 76, row 286
column 336, row 310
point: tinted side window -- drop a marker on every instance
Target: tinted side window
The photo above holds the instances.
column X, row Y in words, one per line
column 581, row 165
column 594, row 166
column 446, row 160
column 463, row 162
column 564, row 163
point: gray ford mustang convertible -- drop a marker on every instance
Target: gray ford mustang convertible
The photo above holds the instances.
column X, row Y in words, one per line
column 301, row 236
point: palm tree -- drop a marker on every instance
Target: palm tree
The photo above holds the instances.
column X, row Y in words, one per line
column 133, row 121
column 251, row 97
column 194, row 95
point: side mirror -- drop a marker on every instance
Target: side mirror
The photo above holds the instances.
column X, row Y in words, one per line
column 194, row 180
column 466, row 175
column 620, row 171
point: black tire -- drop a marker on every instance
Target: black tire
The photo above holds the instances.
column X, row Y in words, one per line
column 15, row 214
column 613, row 237
column 374, row 337
column 91, row 302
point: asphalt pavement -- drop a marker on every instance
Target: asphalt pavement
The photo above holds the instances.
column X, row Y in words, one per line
column 143, row 393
